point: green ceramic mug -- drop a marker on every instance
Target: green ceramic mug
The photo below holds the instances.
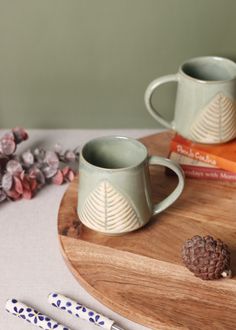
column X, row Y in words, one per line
column 114, row 195
column 205, row 107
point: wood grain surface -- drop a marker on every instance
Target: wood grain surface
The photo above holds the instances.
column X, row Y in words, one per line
column 140, row 275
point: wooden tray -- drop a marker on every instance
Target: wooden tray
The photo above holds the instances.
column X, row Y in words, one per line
column 140, row 275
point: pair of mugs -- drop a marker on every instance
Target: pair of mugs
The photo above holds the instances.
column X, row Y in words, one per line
column 114, row 183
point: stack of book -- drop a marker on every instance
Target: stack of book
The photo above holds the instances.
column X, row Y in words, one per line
column 204, row 161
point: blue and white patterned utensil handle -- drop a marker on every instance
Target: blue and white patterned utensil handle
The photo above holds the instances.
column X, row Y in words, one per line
column 30, row 315
column 78, row 310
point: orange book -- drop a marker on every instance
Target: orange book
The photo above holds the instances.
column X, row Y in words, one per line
column 217, row 155
column 199, row 170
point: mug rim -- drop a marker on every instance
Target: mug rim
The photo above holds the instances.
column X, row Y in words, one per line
column 116, row 137
column 201, row 81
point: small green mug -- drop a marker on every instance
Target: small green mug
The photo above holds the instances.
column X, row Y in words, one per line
column 114, row 185
column 205, row 107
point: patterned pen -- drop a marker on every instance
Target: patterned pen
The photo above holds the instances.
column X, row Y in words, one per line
column 78, row 310
column 30, row 315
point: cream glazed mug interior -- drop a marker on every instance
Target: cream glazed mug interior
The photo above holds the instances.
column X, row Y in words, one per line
column 205, row 107
column 114, row 194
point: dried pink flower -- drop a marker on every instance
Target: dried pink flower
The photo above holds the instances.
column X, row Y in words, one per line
column 22, row 176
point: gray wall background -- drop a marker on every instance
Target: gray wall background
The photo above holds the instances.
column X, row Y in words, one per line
column 86, row 63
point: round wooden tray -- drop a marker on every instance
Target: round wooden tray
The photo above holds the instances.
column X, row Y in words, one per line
column 140, row 275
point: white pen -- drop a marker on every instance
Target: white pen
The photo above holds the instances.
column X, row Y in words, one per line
column 32, row 316
column 80, row 311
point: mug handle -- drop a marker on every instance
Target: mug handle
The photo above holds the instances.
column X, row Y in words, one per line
column 148, row 98
column 161, row 206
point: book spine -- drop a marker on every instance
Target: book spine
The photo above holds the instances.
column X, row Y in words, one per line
column 202, row 156
column 207, row 173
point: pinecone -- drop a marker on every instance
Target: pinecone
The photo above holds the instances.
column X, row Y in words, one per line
column 206, row 257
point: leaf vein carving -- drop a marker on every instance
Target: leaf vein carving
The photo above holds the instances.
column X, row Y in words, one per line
column 107, row 209
column 216, row 122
